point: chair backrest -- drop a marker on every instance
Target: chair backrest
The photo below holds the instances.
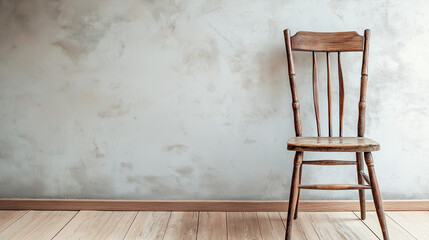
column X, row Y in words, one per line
column 328, row 42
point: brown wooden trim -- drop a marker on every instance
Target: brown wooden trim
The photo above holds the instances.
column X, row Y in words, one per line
column 340, row 95
column 327, row 41
column 316, row 94
column 328, row 88
column 328, row 162
column 202, row 205
column 335, row 186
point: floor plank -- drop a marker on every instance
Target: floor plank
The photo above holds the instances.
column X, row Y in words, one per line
column 396, row 232
column 116, row 226
column 182, row 226
column 212, row 226
column 243, row 225
column 416, row 223
column 85, row 225
column 302, row 228
column 38, row 225
column 149, row 226
column 340, row 226
column 271, row 225
column 9, row 217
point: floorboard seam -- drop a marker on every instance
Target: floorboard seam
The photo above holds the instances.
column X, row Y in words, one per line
column 259, row 225
column 314, row 228
column 198, row 225
column 282, row 220
column 399, row 225
column 226, row 223
column 166, row 226
column 366, row 225
column 131, row 224
column 105, row 222
column 65, row 225
column 14, row 221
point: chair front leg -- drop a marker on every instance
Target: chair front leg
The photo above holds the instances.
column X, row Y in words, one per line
column 376, row 194
column 359, row 165
column 297, row 199
column 293, row 197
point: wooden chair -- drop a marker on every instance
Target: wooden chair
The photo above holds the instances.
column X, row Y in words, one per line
column 332, row 42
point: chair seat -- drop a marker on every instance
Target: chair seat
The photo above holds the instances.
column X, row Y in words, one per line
column 332, row 144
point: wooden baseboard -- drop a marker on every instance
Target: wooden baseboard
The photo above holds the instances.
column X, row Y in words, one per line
column 186, row 205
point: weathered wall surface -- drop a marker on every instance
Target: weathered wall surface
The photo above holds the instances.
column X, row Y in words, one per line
column 190, row 99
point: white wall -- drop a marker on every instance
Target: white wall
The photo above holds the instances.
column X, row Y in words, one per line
column 190, row 99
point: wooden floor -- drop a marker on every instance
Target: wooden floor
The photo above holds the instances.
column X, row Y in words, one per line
column 206, row 225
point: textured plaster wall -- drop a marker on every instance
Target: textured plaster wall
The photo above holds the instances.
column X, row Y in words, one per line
column 190, row 99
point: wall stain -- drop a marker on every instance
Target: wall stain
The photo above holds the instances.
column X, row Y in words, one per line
column 128, row 165
column 6, row 150
column 136, row 179
column 211, row 88
column 87, row 180
column 84, row 29
column 97, row 152
column 78, row 125
column 165, row 13
column 114, row 110
column 178, row 148
column 184, row 171
column 53, row 9
column 21, row 13
column 31, row 187
column 162, row 186
column 218, row 184
column 197, row 57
